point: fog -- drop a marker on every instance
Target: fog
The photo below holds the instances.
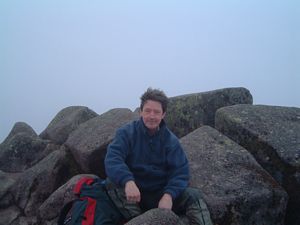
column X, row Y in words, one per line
column 105, row 54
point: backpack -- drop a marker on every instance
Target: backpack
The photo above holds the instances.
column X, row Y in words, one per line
column 92, row 206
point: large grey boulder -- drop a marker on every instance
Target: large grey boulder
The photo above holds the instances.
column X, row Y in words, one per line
column 21, row 127
column 188, row 112
column 88, row 143
column 9, row 214
column 22, row 149
column 23, row 220
column 157, row 217
column 8, row 211
column 50, row 209
column 66, row 121
column 236, row 188
column 272, row 135
column 37, row 183
column 7, row 181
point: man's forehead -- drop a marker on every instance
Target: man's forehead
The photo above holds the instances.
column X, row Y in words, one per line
column 152, row 102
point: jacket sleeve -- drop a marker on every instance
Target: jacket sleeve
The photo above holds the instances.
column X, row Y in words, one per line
column 178, row 168
column 115, row 166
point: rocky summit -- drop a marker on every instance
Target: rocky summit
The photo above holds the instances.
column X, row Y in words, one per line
column 244, row 158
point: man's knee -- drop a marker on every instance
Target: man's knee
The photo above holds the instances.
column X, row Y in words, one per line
column 118, row 197
column 197, row 211
column 192, row 195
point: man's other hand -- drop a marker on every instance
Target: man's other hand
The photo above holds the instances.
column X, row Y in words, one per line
column 132, row 192
column 165, row 202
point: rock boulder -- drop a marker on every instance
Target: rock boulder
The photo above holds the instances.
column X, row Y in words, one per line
column 21, row 149
column 88, row 143
column 272, row 135
column 236, row 188
column 36, row 184
column 155, row 216
column 66, row 121
column 188, row 112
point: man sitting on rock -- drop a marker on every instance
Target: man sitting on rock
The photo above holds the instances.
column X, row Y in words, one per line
column 147, row 167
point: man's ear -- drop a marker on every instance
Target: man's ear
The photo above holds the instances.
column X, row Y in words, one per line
column 163, row 115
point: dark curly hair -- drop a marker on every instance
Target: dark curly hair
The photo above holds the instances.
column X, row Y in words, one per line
column 155, row 95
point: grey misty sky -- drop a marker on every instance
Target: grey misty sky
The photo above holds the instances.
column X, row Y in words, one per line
column 105, row 54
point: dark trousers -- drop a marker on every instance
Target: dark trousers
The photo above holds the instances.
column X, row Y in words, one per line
column 189, row 203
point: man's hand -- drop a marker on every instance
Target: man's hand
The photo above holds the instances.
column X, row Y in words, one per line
column 165, row 202
column 132, row 192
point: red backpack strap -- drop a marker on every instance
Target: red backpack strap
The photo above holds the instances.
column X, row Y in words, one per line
column 89, row 212
column 82, row 181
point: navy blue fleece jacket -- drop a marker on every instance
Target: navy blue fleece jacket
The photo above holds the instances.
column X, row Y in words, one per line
column 155, row 162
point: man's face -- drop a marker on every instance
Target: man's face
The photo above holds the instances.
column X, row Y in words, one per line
column 152, row 114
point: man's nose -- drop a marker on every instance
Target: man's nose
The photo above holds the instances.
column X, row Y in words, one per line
column 152, row 114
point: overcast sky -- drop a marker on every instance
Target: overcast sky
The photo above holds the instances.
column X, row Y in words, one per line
column 105, row 54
